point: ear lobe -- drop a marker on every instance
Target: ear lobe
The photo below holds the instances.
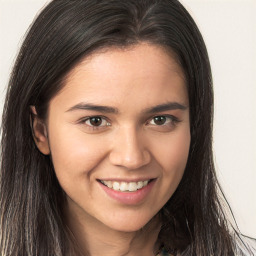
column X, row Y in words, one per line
column 39, row 131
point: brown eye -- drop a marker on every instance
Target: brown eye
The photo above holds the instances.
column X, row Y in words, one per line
column 159, row 120
column 95, row 121
column 165, row 121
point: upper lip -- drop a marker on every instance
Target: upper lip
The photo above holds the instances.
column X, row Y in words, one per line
column 127, row 179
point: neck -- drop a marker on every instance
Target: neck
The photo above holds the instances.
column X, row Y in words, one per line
column 93, row 238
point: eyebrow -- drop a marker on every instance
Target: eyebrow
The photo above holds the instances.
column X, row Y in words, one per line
column 113, row 110
column 165, row 107
column 93, row 107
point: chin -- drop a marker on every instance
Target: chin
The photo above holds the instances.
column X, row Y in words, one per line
column 130, row 224
column 129, row 228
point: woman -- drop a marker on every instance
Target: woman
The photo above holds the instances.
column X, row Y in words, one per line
column 106, row 140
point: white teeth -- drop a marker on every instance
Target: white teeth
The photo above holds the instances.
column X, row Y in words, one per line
column 109, row 184
column 140, row 184
column 116, row 185
column 132, row 186
column 145, row 183
column 125, row 186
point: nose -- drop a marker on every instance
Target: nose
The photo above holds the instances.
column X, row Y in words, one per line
column 128, row 149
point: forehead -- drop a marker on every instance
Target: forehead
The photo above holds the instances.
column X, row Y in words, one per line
column 104, row 60
column 117, row 75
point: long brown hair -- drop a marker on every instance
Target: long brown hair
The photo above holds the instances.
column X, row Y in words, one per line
column 31, row 199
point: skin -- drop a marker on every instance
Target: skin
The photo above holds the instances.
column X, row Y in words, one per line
column 128, row 144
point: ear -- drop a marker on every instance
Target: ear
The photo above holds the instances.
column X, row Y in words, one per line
column 39, row 131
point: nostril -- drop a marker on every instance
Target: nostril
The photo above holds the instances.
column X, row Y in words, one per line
column 128, row 158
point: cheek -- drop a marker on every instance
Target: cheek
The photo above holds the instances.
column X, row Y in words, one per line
column 172, row 157
column 74, row 154
column 172, row 150
column 176, row 153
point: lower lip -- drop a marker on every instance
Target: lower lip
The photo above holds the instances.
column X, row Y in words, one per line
column 129, row 198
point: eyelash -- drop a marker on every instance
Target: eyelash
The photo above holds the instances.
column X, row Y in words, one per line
column 172, row 121
column 94, row 127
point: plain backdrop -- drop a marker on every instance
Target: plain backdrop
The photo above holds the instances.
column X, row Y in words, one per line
column 229, row 30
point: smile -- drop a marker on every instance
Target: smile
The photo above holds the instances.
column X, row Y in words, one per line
column 127, row 192
column 125, row 186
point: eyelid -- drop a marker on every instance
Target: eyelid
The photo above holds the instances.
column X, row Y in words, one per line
column 84, row 119
column 174, row 119
column 172, row 122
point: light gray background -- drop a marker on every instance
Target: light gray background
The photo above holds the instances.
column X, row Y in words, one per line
column 229, row 30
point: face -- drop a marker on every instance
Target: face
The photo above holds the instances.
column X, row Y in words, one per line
column 119, row 135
